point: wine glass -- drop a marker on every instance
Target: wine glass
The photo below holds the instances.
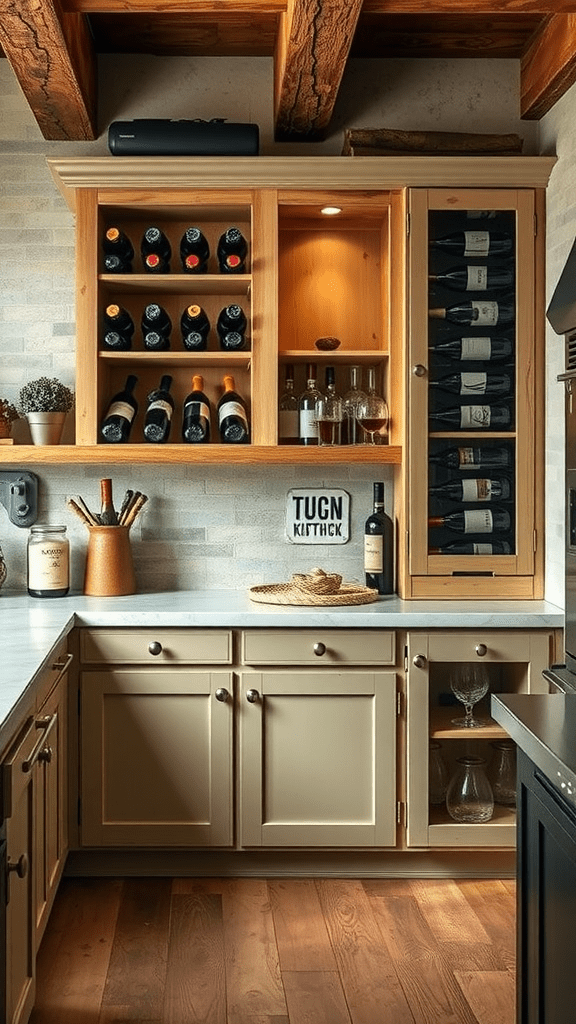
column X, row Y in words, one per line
column 469, row 683
column 372, row 415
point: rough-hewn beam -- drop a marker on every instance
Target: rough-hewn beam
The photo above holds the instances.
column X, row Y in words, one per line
column 548, row 68
column 457, row 7
column 314, row 40
column 52, row 57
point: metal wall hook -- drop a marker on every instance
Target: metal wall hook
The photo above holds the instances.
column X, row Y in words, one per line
column 19, row 495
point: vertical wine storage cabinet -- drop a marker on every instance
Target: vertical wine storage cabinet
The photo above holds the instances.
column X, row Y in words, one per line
column 475, row 395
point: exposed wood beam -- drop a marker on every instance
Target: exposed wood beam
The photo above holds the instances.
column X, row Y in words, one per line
column 444, row 35
column 51, row 54
column 548, row 67
column 472, row 7
column 168, row 7
column 313, row 43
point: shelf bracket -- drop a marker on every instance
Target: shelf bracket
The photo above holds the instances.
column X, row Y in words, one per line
column 19, row 495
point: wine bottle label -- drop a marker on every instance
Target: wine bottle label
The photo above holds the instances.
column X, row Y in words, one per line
column 466, row 457
column 473, row 416
column 288, row 423
column 308, row 423
column 485, row 314
column 473, row 383
column 476, row 490
column 478, row 520
column 482, row 549
column 48, row 566
column 476, row 348
column 122, row 409
column 159, row 403
column 373, row 553
column 196, row 410
column 232, row 409
column 476, row 243
column 477, row 279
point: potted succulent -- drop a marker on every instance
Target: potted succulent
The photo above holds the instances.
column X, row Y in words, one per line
column 45, row 404
column 7, row 416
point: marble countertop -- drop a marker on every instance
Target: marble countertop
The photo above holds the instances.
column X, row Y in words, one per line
column 31, row 627
column 544, row 727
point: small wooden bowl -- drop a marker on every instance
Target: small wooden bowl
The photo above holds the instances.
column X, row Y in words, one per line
column 327, row 344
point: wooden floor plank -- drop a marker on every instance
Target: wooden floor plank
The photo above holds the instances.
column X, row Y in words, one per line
column 137, row 971
column 195, row 981
column 447, row 912
column 253, row 981
column 301, row 933
column 495, row 908
column 315, row 997
column 373, row 991
column 73, row 959
column 492, row 995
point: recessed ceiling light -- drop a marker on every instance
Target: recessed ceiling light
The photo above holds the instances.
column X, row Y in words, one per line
column 330, row 211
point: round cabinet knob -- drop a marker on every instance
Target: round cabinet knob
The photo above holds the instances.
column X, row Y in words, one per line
column 222, row 694
column 20, row 867
column 419, row 661
column 419, row 370
column 481, row 650
column 252, row 696
column 154, row 647
column 45, row 755
column 319, row 649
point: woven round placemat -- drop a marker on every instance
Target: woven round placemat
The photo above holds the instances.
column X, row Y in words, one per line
column 287, row 593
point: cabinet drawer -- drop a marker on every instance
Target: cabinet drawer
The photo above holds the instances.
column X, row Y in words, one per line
column 483, row 645
column 319, row 647
column 156, row 646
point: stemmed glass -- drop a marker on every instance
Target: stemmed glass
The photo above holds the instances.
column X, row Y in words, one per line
column 372, row 409
column 469, row 683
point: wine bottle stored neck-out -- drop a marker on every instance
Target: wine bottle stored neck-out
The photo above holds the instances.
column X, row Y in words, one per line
column 485, row 457
column 118, row 328
column 474, row 383
column 231, row 327
column 195, row 328
column 196, row 416
column 473, row 489
column 487, row 348
column 476, row 520
column 231, row 252
column 474, row 417
column 475, row 243
column 232, row 415
column 117, row 422
column 194, row 251
column 158, row 418
column 481, row 313
column 379, row 546
column 495, row 547
column 472, row 277
column 114, row 265
column 156, row 251
column 118, row 252
column 156, row 327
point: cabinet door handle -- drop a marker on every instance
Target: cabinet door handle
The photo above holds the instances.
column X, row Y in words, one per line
column 419, row 661
column 61, row 667
column 222, row 694
column 252, row 696
column 419, row 370
column 20, row 867
column 154, row 647
column 46, row 725
column 319, row 649
column 481, row 650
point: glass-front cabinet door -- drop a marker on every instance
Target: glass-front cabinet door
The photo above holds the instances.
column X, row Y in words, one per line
column 474, row 417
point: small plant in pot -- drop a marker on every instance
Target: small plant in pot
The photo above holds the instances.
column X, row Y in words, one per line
column 7, row 416
column 45, row 403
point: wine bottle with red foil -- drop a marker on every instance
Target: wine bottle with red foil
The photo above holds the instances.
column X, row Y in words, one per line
column 156, row 251
column 194, row 251
column 231, row 252
column 475, row 243
column 472, row 277
column 156, row 327
column 118, row 328
column 476, row 313
column 485, row 457
column 117, row 422
column 494, row 547
column 493, row 348
column 231, row 328
column 118, row 252
column 232, row 415
column 476, row 520
column 474, row 383
column 196, row 414
column 473, row 417
column 195, row 328
column 158, row 418
column 473, row 489
column 379, row 546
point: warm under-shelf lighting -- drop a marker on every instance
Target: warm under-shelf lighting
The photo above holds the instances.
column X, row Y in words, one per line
column 331, row 211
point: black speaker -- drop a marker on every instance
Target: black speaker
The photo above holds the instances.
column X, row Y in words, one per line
column 161, row 137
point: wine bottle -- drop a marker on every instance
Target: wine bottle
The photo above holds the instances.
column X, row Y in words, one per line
column 196, row 418
column 118, row 248
column 195, row 328
column 352, row 433
column 288, row 410
column 118, row 328
column 474, row 417
column 231, row 327
column 473, row 277
column 307, row 426
column 473, row 489
column 329, row 411
column 194, row 251
column 480, row 214
column 477, row 383
column 474, row 243
column 496, row 547
column 232, row 415
column 117, row 422
column 156, row 251
column 494, row 348
column 476, row 313
column 158, row 418
column 486, row 457
column 476, row 520
column 231, row 252
column 379, row 546
column 156, row 327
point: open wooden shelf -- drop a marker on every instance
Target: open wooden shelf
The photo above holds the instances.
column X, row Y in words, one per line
column 441, row 726
column 211, row 454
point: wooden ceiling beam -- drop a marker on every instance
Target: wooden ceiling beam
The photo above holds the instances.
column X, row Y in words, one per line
column 548, row 68
column 471, row 7
column 312, row 48
column 51, row 54
column 169, row 7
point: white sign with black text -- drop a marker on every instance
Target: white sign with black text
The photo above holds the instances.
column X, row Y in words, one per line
column 318, row 516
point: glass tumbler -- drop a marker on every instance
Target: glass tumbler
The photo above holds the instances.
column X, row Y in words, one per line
column 502, row 772
column 469, row 797
column 437, row 774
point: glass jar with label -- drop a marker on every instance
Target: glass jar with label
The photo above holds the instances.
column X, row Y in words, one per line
column 48, row 561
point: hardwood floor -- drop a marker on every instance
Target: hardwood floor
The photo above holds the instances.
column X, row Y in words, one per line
column 254, row 951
